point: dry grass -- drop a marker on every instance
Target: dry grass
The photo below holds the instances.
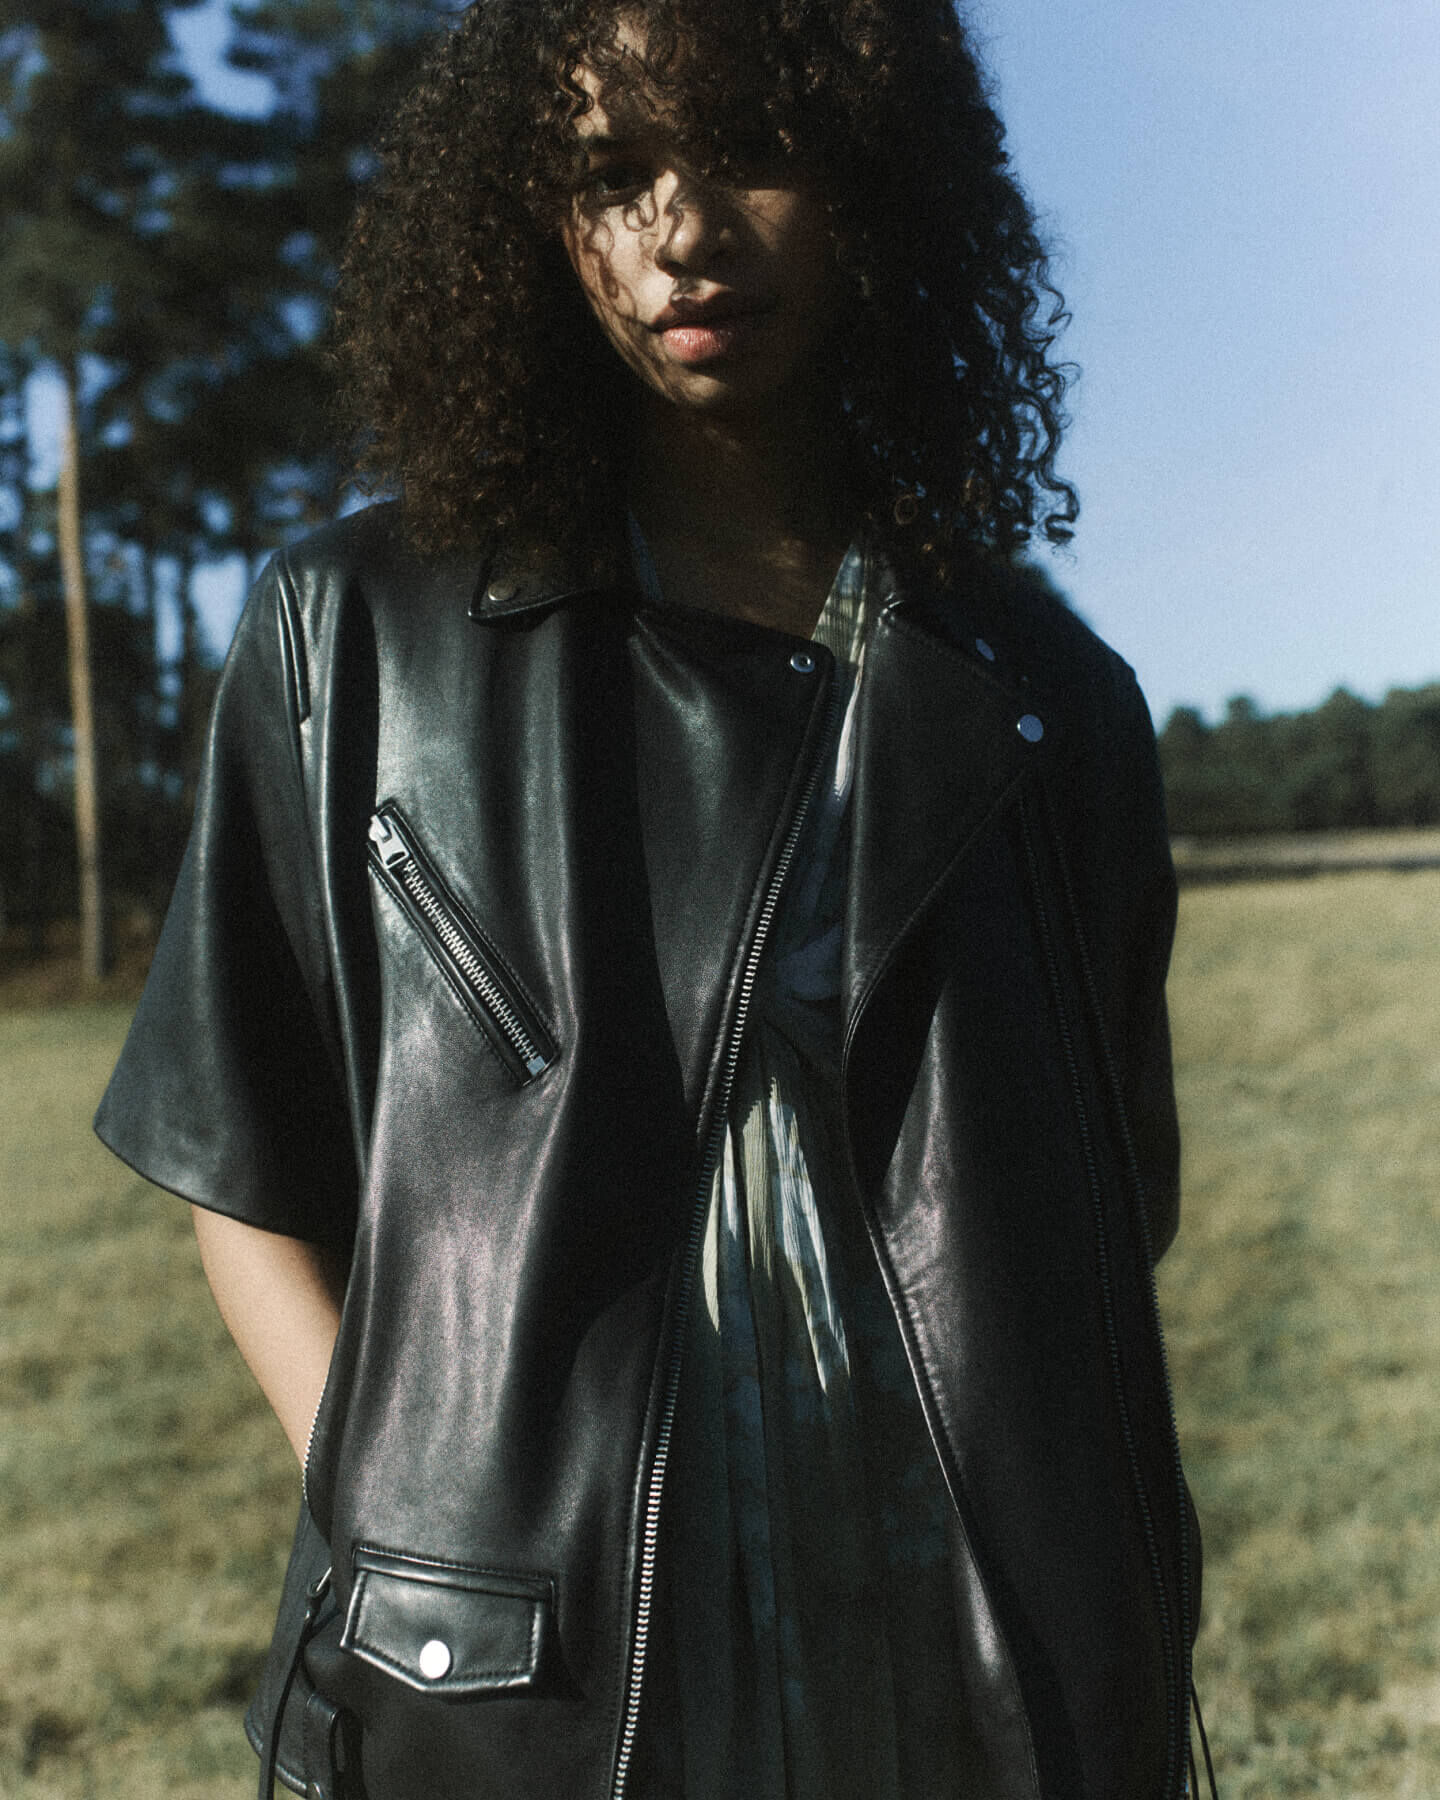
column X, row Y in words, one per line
column 53, row 977
column 1305, row 1335
column 146, row 1498
column 145, row 1495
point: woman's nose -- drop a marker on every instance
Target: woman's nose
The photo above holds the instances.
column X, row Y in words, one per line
column 688, row 215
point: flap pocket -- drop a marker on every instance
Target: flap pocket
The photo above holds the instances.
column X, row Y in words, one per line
column 447, row 1628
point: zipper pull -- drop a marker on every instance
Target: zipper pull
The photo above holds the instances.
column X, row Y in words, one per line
column 387, row 841
column 314, row 1600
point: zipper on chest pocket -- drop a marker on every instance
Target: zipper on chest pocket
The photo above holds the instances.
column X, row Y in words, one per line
column 474, row 969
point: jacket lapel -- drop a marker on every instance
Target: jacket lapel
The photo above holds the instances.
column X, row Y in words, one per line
column 945, row 733
column 943, row 739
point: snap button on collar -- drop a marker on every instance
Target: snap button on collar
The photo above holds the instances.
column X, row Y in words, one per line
column 803, row 663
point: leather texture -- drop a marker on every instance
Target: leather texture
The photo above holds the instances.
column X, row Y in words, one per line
column 600, row 790
column 329, row 1742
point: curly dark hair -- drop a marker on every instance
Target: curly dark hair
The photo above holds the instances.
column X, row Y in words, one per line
column 482, row 389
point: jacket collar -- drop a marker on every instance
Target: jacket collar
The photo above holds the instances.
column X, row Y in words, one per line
column 948, row 729
column 514, row 581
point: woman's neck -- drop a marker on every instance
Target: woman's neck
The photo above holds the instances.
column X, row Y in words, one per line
column 749, row 518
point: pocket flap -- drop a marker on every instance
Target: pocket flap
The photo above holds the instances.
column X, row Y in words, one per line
column 447, row 1628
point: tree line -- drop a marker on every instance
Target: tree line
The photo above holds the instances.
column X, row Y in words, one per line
column 165, row 267
column 1347, row 765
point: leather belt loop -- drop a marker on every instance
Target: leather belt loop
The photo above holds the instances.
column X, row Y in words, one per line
column 326, row 1742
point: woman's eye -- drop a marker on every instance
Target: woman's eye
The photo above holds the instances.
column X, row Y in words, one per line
column 615, row 181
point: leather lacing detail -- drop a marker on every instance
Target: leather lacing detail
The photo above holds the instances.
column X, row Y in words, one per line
column 1205, row 1748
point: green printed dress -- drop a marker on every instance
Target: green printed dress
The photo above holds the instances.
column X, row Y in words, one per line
column 806, row 1526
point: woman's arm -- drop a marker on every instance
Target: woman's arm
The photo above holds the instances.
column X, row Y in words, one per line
column 280, row 1299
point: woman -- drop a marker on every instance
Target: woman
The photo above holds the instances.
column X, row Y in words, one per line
column 665, row 1039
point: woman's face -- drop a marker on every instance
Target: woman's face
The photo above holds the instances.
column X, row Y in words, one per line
column 716, row 296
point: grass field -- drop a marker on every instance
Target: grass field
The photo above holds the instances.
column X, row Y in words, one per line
column 147, row 1499
column 1302, row 1307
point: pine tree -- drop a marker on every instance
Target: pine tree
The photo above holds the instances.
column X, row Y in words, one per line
column 169, row 266
column 89, row 100
column 338, row 68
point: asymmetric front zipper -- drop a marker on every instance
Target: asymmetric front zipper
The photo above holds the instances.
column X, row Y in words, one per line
column 487, row 989
column 650, row 1524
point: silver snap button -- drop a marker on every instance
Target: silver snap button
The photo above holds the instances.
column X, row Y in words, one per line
column 984, row 649
column 1030, row 728
column 803, row 663
column 435, row 1660
column 502, row 590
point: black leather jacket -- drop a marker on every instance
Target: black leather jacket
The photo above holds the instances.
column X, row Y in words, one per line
column 452, row 979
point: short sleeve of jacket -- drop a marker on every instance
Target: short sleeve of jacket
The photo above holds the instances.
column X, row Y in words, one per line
column 229, row 1090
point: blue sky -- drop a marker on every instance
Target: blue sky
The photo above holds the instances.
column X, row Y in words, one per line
column 1245, row 205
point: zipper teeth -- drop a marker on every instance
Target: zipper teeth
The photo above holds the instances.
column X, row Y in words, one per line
column 468, row 962
column 650, row 1530
column 309, row 1446
column 1173, row 1754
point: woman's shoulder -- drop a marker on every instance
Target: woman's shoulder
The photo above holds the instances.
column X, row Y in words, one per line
column 1027, row 632
column 1055, row 639
column 370, row 545
column 367, row 561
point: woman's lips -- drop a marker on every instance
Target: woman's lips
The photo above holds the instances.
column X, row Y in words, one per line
column 704, row 343
column 701, row 336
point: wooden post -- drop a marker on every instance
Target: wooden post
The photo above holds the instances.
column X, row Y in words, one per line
column 95, row 937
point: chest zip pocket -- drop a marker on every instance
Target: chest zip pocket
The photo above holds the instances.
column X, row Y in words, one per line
column 471, row 965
